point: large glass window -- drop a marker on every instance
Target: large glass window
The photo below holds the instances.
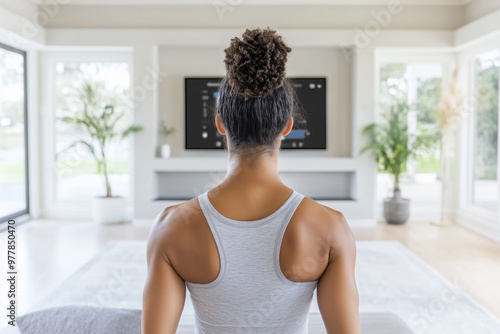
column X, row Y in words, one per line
column 485, row 178
column 13, row 134
column 78, row 177
column 419, row 86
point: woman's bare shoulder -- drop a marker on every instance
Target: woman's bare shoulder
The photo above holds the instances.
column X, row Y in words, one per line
column 323, row 214
column 175, row 223
column 330, row 223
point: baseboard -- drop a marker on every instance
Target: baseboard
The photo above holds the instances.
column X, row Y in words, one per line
column 80, row 211
column 478, row 224
column 362, row 223
column 19, row 220
column 142, row 222
column 419, row 213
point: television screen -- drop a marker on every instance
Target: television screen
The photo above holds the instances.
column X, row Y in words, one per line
column 201, row 96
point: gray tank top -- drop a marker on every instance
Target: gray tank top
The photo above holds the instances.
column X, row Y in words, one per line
column 251, row 294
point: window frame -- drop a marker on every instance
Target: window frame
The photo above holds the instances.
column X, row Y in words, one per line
column 53, row 208
column 448, row 61
column 470, row 205
column 26, row 211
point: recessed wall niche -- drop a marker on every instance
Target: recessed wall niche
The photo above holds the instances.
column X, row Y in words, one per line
column 326, row 186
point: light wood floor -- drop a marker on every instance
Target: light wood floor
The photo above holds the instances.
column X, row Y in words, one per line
column 49, row 251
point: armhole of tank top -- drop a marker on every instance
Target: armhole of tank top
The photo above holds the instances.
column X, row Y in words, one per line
column 220, row 249
column 279, row 240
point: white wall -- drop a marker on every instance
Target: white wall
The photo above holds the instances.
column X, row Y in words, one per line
column 303, row 61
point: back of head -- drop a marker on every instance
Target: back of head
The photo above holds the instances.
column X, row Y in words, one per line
column 256, row 99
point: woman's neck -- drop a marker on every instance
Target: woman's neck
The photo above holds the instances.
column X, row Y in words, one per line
column 257, row 169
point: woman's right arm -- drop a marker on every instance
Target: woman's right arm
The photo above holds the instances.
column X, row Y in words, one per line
column 337, row 293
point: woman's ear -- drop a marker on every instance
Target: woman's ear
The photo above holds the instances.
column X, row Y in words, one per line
column 288, row 127
column 219, row 125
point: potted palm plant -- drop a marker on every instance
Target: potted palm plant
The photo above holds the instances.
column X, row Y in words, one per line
column 97, row 122
column 165, row 132
column 392, row 146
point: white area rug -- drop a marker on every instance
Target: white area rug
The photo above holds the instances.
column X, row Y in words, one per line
column 390, row 278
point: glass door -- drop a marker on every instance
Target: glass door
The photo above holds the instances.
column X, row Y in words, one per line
column 485, row 157
column 13, row 134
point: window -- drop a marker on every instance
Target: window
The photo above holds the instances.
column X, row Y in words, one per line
column 485, row 154
column 419, row 86
column 13, row 134
column 77, row 175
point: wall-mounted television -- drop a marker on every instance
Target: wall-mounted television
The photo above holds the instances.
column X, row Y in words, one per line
column 201, row 96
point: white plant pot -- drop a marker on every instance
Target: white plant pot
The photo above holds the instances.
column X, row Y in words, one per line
column 108, row 210
column 165, row 151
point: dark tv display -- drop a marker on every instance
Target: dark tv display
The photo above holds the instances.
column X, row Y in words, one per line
column 200, row 100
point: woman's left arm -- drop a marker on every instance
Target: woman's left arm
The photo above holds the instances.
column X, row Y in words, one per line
column 164, row 292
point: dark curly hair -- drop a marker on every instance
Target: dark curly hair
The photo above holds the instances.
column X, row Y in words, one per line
column 256, row 99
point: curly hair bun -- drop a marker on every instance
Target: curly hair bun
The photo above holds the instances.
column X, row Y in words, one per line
column 256, row 64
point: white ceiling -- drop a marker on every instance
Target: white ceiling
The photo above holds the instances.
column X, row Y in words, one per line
column 255, row 2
